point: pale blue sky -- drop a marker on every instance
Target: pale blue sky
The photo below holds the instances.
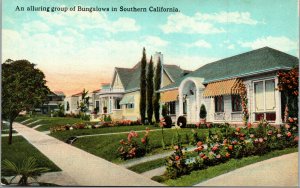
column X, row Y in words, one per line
column 68, row 46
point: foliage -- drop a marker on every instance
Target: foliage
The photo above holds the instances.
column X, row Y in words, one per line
column 107, row 118
column 157, row 82
column 60, row 112
column 237, row 143
column 150, row 91
column 176, row 163
column 23, row 88
column 130, row 148
column 143, row 85
column 288, row 85
column 164, row 110
column 203, row 112
column 243, row 93
column 84, row 104
column 168, row 121
column 28, row 169
column 181, row 121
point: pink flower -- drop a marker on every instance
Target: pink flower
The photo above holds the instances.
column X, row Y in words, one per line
column 129, row 137
column 199, row 143
column 198, row 124
column 218, row 156
column 176, row 147
column 249, row 125
column 260, row 140
column 214, row 148
column 279, row 135
column 270, row 132
column 251, row 135
column 143, row 140
column 296, row 139
column 291, row 120
column 287, row 126
column 208, row 125
column 289, row 134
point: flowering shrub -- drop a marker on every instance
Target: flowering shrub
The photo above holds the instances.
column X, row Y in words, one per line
column 131, row 148
column 181, row 121
column 176, row 163
column 234, row 143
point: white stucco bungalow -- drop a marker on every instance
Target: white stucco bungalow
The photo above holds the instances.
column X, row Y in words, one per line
column 215, row 85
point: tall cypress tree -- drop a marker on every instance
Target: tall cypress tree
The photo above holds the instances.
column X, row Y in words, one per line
column 143, row 83
column 157, row 82
column 150, row 91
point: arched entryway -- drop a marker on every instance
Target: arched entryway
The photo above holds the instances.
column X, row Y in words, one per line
column 190, row 92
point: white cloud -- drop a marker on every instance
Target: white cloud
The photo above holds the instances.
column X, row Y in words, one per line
column 36, row 26
column 93, row 20
column 227, row 17
column 231, row 46
column 281, row 43
column 155, row 41
column 200, row 44
column 180, row 23
column 189, row 62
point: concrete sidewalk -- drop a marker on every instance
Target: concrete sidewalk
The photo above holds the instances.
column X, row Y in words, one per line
column 278, row 171
column 83, row 167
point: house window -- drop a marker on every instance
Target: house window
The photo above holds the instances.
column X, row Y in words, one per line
column 171, row 107
column 219, row 104
column 236, row 103
column 264, row 93
column 131, row 105
column 97, row 104
column 117, row 103
column 184, row 107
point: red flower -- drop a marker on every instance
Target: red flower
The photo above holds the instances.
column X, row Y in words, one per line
column 177, row 157
column 214, row 148
column 143, row 140
column 227, row 155
column 199, row 143
column 230, row 147
column 289, row 134
column 296, row 139
column 249, row 125
column 270, row 132
column 291, row 120
column 238, row 129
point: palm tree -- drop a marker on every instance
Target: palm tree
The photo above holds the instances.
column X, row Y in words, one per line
column 28, row 169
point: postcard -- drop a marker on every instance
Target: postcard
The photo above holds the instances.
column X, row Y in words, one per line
column 150, row 93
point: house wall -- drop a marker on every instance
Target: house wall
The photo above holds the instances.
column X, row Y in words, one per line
column 72, row 103
column 117, row 84
column 132, row 113
column 165, row 79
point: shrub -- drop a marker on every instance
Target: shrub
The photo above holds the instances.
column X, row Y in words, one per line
column 176, row 164
column 164, row 110
column 168, row 121
column 203, row 112
column 181, row 121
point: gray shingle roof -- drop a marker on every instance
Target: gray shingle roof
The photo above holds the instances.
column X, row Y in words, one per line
column 130, row 78
column 253, row 62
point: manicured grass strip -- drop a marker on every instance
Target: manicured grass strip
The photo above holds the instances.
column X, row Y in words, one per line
column 201, row 175
column 144, row 167
column 106, row 146
column 21, row 149
column 62, row 135
column 49, row 122
column 21, row 118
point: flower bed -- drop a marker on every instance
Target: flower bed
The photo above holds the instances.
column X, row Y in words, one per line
column 232, row 143
column 94, row 125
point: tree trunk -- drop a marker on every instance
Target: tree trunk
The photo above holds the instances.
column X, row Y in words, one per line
column 10, row 132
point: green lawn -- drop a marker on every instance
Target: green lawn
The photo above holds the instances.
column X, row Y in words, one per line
column 149, row 165
column 106, row 146
column 63, row 135
column 20, row 150
column 201, row 175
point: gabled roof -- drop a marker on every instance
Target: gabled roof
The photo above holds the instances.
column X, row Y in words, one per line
column 130, row 78
column 59, row 93
column 250, row 63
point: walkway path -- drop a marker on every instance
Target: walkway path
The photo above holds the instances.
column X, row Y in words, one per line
column 85, row 168
column 278, row 171
column 155, row 172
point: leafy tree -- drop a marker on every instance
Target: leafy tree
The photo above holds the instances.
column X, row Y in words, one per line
column 150, row 91
column 143, row 83
column 157, row 82
column 28, row 169
column 84, row 104
column 23, row 88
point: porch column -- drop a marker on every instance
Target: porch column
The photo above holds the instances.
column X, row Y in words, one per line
column 197, row 104
column 278, row 104
column 180, row 103
column 113, row 103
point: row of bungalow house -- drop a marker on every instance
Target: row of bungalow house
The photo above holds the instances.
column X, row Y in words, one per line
column 213, row 85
